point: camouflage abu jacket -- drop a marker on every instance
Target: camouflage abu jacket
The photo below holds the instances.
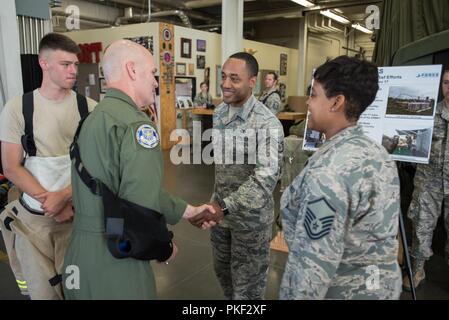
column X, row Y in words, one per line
column 248, row 156
column 340, row 219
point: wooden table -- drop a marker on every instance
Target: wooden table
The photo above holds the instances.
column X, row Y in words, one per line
column 287, row 116
column 198, row 111
column 291, row 116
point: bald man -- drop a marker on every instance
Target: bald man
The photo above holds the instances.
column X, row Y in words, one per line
column 118, row 147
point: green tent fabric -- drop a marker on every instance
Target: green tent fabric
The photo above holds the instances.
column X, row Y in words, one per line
column 406, row 21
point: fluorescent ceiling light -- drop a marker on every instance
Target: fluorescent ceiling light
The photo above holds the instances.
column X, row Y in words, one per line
column 304, row 3
column 335, row 16
column 362, row 28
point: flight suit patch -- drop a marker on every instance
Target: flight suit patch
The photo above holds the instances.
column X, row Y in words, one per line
column 147, row 136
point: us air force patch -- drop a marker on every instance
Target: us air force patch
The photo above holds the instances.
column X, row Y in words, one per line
column 320, row 216
column 147, row 137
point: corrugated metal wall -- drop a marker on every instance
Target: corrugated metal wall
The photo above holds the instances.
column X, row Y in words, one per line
column 31, row 31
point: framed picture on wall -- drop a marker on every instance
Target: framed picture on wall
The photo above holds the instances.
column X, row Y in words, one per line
column 283, row 65
column 186, row 48
column 200, row 62
column 201, row 45
column 102, row 83
column 191, row 69
column 181, row 69
column 146, row 42
column 218, row 81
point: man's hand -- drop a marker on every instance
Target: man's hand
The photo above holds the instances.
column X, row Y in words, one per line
column 66, row 214
column 203, row 215
column 206, row 219
column 53, row 202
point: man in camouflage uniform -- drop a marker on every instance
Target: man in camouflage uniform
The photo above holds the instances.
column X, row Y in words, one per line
column 431, row 191
column 340, row 215
column 270, row 97
column 241, row 243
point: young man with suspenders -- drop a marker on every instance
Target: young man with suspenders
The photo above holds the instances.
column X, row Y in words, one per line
column 42, row 124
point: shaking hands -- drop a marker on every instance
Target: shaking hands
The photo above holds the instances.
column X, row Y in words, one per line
column 205, row 216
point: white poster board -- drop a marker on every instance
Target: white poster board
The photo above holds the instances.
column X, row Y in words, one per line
column 402, row 115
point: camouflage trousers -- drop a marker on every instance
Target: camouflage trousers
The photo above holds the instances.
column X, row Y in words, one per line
column 241, row 260
column 425, row 209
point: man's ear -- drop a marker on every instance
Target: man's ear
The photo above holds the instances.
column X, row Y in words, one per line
column 43, row 63
column 131, row 70
column 252, row 82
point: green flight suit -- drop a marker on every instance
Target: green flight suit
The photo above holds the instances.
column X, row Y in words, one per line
column 133, row 168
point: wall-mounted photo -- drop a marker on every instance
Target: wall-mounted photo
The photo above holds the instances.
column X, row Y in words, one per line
column 201, row 45
column 146, row 42
column 410, row 101
column 283, row 92
column 218, row 81
column 283, row 65
column 103, row 86
column 200, row 62
column 186, row 48
column 191, row 69
column 181, row 69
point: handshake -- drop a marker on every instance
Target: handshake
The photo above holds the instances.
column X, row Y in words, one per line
column 205, row 216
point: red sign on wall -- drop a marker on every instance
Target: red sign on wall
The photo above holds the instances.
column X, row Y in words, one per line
column 86, row 52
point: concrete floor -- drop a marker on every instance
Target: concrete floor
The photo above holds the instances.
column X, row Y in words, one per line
column 191, row 275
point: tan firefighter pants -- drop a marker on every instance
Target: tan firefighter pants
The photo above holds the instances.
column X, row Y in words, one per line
column 36, row 246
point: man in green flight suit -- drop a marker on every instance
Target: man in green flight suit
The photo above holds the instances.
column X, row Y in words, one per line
column 119, row 146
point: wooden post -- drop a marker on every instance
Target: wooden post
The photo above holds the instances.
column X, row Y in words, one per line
column 167, row 83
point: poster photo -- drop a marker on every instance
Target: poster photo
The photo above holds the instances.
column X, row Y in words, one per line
column 218, row 81
column 405, row 140
column 402, row 115
column 181, row 69
column 200, row 62
column 283, row 65
column 186, row 48
column 201, row 45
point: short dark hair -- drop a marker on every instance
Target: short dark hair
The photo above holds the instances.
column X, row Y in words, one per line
column 357, row 80
column 251, row 63
column 56, row 41
column 275, row 75
column 204, row 82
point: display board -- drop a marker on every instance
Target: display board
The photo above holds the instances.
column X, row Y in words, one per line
column 402, row 115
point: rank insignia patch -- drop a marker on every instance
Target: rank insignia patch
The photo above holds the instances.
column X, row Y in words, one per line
column 320, row 216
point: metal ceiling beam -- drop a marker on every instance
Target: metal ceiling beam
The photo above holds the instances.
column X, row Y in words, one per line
column 339, row 4
column 196, row 4
column 201, row 4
